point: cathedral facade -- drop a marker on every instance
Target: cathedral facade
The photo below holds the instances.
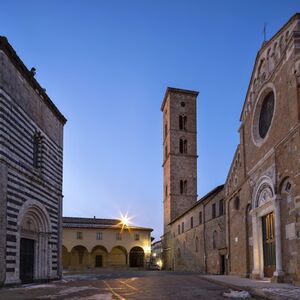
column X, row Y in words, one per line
column 251, row 226
column 31, row 153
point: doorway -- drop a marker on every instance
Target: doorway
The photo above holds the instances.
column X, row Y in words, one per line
column 26, row 260
column 268, row 236
column 98, row 261
column 222, row 264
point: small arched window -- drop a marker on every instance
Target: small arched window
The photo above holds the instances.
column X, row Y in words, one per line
column 182, row 122
column 183, row 146
column 183, row 187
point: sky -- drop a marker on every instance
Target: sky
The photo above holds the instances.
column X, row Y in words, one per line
column 106, row 65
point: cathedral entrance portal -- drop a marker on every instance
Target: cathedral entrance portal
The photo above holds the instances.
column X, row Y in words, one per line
column 26, row 260
column 268, row 236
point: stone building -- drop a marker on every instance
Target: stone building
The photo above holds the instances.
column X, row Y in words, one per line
column 93, row 243
column 31, row 153
column 263, row 184
column 188, row 223
column 258, row 232
column 156, row 254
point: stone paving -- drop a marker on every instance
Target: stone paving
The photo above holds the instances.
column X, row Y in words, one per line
column 121, row 285
column 259, row 288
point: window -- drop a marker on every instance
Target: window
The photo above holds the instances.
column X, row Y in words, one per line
column 178, row 228
column 288, row 187
column 99, row 236
column 79, row 236
column 166, row 151
column 200, row 217
column 192, row 222
column 183, row 146
column 266, row 114
column 182, row 104
column 180, row 146
column 137, row 237
column 213, row 210
column 118, row 236
column 182, row 227
column 196, row 244
column 183, row 186
column 182, row 122
column 166, row 191
column 221, row 207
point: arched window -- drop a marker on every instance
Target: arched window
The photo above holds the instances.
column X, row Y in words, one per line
column 200, row 217
column 196, row 244
column 266, row 114
column 192, row 222
column 166, row 151
column 215, row 239
column 183, row 187
column 182, row 122
column 183, row 146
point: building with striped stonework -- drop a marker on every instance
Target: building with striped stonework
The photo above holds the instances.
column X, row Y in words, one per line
column 31, row 156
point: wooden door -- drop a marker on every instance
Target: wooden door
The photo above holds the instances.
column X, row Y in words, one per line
column 98, row 261
column 26, row 260
column 268, row 235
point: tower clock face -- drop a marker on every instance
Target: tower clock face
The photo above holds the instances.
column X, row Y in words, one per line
column 266, row 114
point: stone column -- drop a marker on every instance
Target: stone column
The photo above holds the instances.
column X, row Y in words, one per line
column 256, row 258
column 278, row 272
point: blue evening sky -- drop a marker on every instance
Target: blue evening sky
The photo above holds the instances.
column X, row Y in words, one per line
column 106, row 65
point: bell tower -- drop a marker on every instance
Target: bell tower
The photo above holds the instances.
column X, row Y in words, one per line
column 179, row 158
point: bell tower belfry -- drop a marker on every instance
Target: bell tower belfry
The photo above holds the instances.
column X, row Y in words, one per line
column 179, row 159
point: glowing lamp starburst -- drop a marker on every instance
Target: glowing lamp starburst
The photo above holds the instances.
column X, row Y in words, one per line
column 125, row 221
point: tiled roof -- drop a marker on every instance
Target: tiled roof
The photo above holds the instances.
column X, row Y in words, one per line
column 74, row 222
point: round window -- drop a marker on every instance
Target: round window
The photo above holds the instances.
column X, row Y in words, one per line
column 266, row 114
column 263, row 115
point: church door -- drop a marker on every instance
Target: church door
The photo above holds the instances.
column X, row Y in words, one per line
column 26, row 260
column 268, row 235
column 98, row 261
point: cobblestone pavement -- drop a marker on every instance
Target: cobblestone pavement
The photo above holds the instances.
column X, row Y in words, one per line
column 109, row 285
